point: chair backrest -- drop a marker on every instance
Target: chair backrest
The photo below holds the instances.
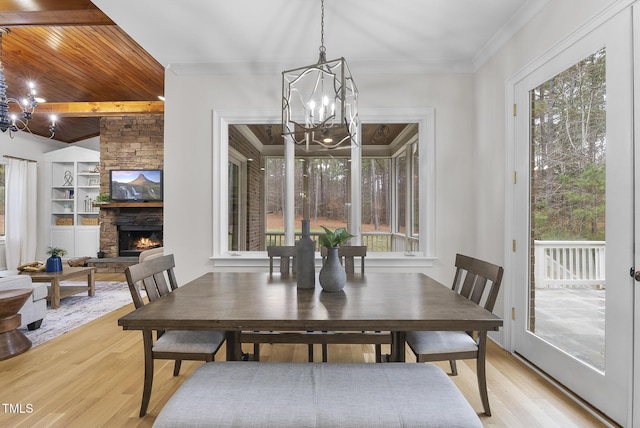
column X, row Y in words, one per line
column 287, row 255
column 150, row 254
column 472, row 278
column 347, row 255
column 153, row 274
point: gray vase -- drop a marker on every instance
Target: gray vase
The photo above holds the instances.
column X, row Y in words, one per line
column 306, row 259
column 332, row 275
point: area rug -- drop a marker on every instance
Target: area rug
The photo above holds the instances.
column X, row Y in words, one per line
column 77, row 310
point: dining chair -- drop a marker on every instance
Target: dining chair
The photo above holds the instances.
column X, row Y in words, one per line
column 287, row 256
column 478, row 281
column 158, row 279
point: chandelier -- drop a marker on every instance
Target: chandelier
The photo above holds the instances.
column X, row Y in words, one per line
column 14, row 122
column 319, row 102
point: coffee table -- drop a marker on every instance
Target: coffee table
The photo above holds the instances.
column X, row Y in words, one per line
column 56, row 292
column 12, row 341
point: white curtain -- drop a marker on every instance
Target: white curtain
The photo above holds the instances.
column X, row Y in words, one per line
column 21, row 212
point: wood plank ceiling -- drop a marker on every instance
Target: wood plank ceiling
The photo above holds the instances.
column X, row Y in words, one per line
column 86, row 67
column 82, row 64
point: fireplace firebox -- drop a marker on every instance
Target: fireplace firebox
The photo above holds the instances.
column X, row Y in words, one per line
column 134, row 239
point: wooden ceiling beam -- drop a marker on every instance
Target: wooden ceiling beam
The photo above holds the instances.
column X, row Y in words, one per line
column 99, row 109
column 54, row 17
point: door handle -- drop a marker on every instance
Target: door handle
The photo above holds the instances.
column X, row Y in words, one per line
column 635, row 274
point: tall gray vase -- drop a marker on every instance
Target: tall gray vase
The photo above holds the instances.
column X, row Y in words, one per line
column 332, row 275
column 306, row 259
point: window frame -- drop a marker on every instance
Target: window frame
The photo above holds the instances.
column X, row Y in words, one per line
column 424, row 117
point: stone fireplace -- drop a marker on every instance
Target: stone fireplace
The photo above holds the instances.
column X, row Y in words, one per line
column 130, row 142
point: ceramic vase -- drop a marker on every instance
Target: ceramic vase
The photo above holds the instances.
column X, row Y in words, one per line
column 54, row 264
column 306, row 259
column 332, row 275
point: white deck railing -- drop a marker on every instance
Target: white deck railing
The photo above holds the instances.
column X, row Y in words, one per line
column 375, row 241
column 570, row 264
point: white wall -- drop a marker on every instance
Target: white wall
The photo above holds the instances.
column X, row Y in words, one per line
column 89, row 143
column 470, row 143
column 555, row 22
column 190, row 101
column 28, row 146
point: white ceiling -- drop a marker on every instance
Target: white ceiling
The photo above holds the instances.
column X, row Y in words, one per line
column 268, row 36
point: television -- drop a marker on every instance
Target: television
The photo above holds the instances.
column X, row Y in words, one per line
column 140, row 185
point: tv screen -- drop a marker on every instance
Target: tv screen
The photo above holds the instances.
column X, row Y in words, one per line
column 135, row 185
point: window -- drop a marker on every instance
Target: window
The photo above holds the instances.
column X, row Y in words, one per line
column 358, row 188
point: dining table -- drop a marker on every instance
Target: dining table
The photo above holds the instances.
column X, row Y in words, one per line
column 255, row 301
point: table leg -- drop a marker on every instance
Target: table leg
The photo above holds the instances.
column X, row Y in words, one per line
column 55, row 293
column 397, row 347
column 234, row 346
column 92, row 283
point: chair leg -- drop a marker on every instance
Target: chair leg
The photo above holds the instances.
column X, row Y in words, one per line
column 311, row 352
column 256, row 352
column 378, row 353
column 176, row 367
column 325, row 351
column 454, row 368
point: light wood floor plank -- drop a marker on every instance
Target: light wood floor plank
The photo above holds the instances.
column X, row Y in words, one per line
column 92, row 376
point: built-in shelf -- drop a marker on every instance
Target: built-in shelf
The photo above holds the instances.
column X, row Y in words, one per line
column 131, row 205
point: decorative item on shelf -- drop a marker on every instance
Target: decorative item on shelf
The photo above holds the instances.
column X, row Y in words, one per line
column 96, row 168
column 68, row 178
column 305, row 258
column 54, row 262
column 332, row 275
column 89, row 205
column 64, row 221
column 67, row 208
column 100, row 254
column 320, row 102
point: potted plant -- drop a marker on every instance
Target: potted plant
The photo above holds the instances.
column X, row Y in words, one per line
column 54, row 262
column 102, row 198
column 332, row 275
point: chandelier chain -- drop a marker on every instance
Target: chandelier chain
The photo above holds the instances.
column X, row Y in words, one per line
column 322, row 48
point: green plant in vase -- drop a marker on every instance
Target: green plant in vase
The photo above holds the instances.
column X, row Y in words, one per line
column 103, row 198
column 54, row 262
column 335, row 238
column 56, row 252
column 332, row 275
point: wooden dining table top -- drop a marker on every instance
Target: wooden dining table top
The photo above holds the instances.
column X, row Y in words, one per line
column 240, row 301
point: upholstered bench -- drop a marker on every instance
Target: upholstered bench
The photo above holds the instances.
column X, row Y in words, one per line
column 255, row 394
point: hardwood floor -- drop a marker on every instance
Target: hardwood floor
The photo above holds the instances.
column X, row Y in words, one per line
column 92, row 377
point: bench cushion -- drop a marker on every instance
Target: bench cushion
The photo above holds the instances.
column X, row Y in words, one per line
column 254, row 394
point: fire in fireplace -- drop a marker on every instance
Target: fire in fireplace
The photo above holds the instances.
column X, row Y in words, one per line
column 132, row 240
